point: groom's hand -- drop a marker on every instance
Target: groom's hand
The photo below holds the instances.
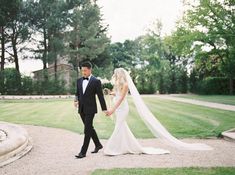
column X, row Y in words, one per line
column 105, row 112
column 109, row 112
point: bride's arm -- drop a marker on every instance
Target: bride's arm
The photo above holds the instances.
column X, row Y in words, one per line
column 123, row 94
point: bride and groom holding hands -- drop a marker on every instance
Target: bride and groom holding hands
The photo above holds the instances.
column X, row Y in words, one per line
column 122, row 140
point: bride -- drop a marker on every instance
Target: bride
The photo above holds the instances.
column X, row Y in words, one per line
column 122, row 140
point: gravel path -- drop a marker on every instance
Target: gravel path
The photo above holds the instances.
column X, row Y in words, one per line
column 195, row 102
column 54, row 150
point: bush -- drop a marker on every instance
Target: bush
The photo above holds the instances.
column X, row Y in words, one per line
column 50, row 87
column 146, row 86
column 13, row 83
column 182, row 83
column 10, row 82
column 213, row 85
column 27, row 85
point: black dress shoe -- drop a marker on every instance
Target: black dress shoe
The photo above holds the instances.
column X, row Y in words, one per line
column 80, row 156
column 97, row 149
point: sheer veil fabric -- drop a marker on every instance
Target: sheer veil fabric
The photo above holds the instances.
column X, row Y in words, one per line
column 155, row 126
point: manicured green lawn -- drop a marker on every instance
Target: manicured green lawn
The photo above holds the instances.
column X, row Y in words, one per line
column 181, row 119
column 168, row 171
column 225, row 99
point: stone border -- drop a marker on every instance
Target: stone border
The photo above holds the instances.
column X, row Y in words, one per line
column 16, row 144
column 229, row 135
column 22, row 97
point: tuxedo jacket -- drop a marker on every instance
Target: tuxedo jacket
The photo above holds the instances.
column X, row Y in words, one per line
column 87, row 101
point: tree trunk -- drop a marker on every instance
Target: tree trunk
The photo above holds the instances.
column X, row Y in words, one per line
column 44, row 59
column 16, row 59
column 3, row 48
column 231, row 85
column 55, row 68
column 14, row 48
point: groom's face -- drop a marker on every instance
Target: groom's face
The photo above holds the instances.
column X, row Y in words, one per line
column 86, row 72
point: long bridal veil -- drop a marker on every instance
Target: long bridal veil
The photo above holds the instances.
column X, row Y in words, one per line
column 155, row 126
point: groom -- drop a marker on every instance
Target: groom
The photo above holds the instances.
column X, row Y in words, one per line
column 85, row 99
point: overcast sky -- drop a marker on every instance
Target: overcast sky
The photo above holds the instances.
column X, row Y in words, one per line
column 128, row 19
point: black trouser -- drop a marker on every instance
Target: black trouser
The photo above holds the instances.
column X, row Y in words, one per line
column 89, row 132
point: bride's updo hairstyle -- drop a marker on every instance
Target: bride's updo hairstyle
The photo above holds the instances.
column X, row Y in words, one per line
column 119, row 78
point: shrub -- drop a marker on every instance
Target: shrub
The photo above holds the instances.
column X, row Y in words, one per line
column 213, row 85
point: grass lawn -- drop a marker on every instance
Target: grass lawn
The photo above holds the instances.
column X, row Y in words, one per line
column 181, row 119
column 168, row 171
column 225, row 99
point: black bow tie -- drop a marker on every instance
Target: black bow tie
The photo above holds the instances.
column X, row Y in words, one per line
column 84, row 78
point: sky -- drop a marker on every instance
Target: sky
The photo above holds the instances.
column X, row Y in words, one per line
column 127, row 19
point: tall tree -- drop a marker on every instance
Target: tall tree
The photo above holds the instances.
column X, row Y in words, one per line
column 212, row 24
column 178, row 52
column 18, row 32
column 49, row 19
column 8, row 12
column 87, row 37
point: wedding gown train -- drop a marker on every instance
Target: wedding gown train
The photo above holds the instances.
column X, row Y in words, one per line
column 122, row 140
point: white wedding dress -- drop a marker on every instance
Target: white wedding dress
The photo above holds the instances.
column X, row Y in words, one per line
column 122, row 140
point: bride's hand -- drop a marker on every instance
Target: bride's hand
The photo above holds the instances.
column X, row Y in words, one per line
column 112, row 93
column 109, row 112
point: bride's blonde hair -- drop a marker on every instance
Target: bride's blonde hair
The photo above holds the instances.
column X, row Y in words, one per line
column 119, row 78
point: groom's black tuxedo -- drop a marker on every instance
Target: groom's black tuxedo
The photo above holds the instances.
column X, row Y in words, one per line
column 88, row 108
column 87, row 101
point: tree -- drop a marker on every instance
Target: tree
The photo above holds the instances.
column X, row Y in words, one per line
column 87, row 35
column 49, row 19
column 18, row 32
column 8, row 12
column 125, row 54
column 211, row 23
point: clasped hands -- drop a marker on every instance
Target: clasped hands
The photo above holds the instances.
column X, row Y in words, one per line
column 109, row 112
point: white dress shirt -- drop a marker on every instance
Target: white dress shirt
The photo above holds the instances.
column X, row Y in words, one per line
column 85, row 83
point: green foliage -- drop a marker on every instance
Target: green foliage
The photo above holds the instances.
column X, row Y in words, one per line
column 103, row 65
column 213, row 85
column 209, row 33
column 27, row 86
column 153, row 65
column 182, row 81
column 87, row 38
column 193, row 79
column 50, row 87
column 146, row 81
column 124, row 54
column 107, row 85
column 8, row 10
column 73, row 85
column 12, row 82
column 203, row 42
column 167, row 171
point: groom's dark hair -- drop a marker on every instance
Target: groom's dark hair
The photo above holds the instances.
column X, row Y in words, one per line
column 87, row 64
